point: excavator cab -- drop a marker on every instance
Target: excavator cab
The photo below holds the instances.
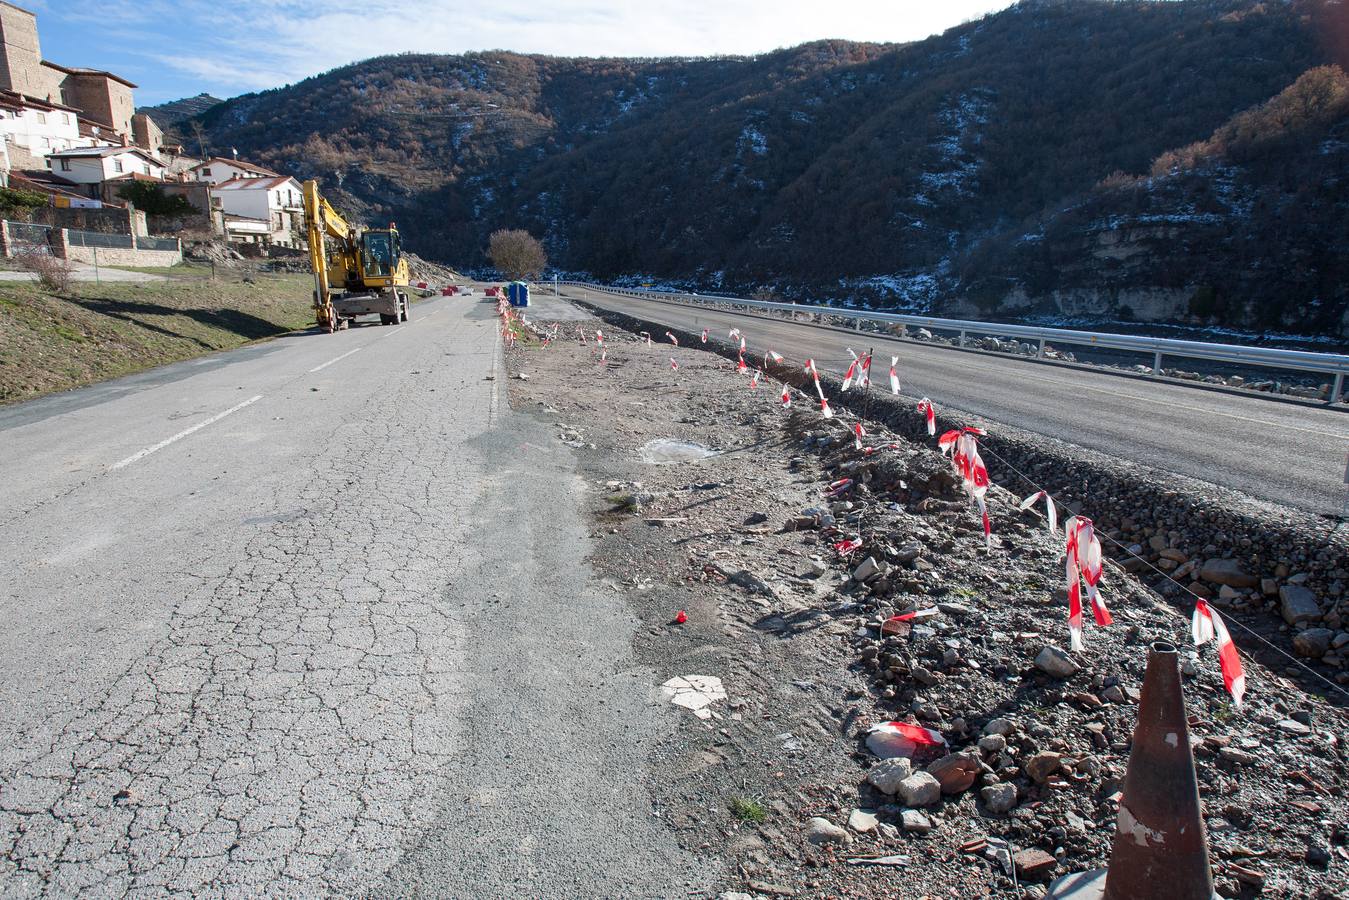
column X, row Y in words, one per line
column 380, row 253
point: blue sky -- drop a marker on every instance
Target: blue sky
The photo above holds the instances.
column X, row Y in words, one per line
column 178, row 48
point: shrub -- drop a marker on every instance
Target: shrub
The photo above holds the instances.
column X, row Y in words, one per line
column 53, row 273
column 14, row 200
column 151, row 200
column 516, row 253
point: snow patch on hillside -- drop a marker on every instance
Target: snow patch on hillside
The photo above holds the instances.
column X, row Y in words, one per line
column 955, row 169
column 752, row 140
column 915, row 291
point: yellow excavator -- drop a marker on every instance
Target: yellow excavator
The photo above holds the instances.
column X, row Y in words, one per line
column 357, row 271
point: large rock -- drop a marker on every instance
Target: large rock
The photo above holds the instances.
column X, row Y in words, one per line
column 1043, row 765
column 920, row 789
column 1056, row 662
column 886, row 775
column 956, row 771
column 1297, row 604
column 999, row 798
column 862, row 821
column 1229, row 572
column 867, row 569
column 915, row 822
column 822, row 831
column 1313, row 643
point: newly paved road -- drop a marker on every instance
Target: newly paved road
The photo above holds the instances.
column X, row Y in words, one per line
column 313, row 618
column 1290, row 454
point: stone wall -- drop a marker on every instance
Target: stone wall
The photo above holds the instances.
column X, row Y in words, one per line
column 124, row 257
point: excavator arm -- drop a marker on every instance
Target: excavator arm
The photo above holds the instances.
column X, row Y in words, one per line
column 324, row 223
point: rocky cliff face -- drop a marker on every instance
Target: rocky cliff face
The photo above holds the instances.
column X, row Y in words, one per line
column 1246, row 229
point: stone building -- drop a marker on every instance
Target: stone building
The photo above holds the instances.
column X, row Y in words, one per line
column 102, row 99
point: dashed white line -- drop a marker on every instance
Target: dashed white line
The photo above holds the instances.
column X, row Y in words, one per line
column 323, row 366
column 184, row 433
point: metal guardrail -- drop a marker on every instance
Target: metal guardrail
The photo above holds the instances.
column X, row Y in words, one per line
column 1333, row 364
column 99, row 239
column 154, row 243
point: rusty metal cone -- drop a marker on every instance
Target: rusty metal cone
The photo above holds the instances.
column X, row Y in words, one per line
column 1160, row 848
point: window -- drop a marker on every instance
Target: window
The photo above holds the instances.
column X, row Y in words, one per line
column 46, row 142
column 42, row 118
column 206, row 173
column 117, row 166
column 146, row 167
column 65, row 118
column 65, row 165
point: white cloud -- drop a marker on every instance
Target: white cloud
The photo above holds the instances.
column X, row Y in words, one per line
column 266, row 43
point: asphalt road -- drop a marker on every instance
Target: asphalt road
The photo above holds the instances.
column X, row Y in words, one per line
column 314, row 618
column 1291, row 454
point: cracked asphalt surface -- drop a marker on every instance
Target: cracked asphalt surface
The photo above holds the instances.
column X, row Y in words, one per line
column 1292, row 454
column 327, row 630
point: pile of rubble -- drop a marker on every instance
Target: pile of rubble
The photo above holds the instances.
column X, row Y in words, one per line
column 1030, row 739
column 858, row 749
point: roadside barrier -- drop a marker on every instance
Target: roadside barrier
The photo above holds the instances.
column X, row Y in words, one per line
column 1335, row 365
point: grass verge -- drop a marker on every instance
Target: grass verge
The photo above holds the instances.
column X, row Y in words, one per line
column 53, row 342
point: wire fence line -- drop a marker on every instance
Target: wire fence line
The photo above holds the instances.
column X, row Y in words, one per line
column 100, row 239
column 156, row 243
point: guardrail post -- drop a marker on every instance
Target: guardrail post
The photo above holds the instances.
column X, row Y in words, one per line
column 962, row 338
column 1337, row 388
column 1157, row 363
column 1040, row 354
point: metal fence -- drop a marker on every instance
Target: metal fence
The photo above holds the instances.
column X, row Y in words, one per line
column 154, row 243
column 30, row 238
column 1333, row 364
column 99, row 239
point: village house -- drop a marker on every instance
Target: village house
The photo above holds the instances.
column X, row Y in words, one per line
column 263, row 210
column 99, row 171
column 218, row 170
column 34, row 128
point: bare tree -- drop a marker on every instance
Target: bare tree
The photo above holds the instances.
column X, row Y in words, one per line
column 199, row 132
column 516, row 253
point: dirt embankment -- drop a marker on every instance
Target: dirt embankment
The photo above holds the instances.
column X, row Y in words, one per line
column 783, row 666
column 53, row 341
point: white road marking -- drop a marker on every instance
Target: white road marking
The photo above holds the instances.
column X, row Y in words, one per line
column 320, row 368
column 184, row 433
column 497, row 373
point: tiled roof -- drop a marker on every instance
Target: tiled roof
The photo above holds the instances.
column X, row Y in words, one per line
column 80, row 70
column 102, row 153
column 238, row 164
column 253, row 184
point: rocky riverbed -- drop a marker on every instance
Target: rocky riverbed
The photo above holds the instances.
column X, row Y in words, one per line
column 788, row 656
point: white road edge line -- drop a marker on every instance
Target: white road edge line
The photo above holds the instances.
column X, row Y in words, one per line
column 323, row 366
column 184, row 433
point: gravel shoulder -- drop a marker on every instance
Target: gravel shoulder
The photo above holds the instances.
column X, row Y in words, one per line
column 777, row 783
